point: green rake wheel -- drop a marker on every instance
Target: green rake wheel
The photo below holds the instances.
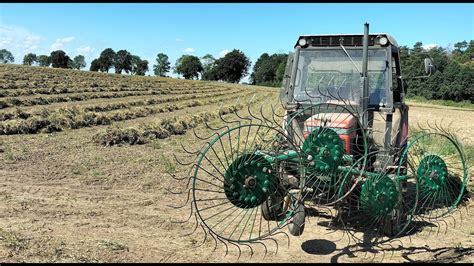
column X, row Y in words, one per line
column 235, row 174
column 437, row 161
column 324, row 145
column 249, row 181
column 326, row 159
column 378, row 205
column 379, row 196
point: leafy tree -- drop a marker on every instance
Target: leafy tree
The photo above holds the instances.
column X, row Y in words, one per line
column 6, row 56
column 189, row 66
column 454, row 72
column 135, row 62
column 269, row 70
column 162, row 65
column 460, row 46
column 210, row 69
column 79, row 62
column 142, row 67
column 43, row 60
column 106, row 59
column 255, row 77
column 95, row 65
column 29, row 59
column 59, row 59
column 233, row 66
column 123, row 61
column 70, row 63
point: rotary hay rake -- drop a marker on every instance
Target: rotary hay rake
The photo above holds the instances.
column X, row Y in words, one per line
column 255, row 174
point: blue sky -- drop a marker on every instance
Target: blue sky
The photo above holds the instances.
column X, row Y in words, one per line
column 201, row 28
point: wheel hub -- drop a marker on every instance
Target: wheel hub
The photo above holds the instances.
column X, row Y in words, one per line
column 249, row 181
column 432, row 172
column 379, row 197
column 324, row 149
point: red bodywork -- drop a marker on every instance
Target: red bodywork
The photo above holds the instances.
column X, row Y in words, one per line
column 343, row 124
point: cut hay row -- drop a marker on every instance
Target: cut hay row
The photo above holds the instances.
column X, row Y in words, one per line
column 65, row 90
column 18, row 113
column 160, row 130
column 18, row 77
column 41, row 100
column 74, row 118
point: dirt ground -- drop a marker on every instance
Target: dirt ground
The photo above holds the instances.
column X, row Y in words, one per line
column 64, row 198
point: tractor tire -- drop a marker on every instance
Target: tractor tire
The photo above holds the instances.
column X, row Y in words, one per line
column 272, row 209
column 296, row 225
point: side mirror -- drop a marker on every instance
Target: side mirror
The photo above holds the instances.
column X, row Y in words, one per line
column 429, row 68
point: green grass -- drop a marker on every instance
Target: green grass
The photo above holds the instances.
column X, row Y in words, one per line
column 462, row 104
column 113, row 245
column 12, row 240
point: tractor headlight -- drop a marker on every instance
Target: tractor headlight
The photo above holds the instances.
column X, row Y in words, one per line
column 302, row 42
column 383, row 41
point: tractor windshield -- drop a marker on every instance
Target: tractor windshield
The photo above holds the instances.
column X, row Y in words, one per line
column 328, row 75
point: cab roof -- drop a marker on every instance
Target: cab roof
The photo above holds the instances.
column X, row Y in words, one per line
column 322, row 40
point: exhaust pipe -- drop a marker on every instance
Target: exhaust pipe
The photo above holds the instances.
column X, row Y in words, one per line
column 365, row 83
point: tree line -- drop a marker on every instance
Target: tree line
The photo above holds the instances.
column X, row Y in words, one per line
column 230, row 68
column 57, row 59
column 452, row 80
column 454, row 75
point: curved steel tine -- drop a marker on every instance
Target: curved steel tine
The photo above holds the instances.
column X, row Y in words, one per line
column 182, row 222
column 195, row 228
column 276, row 244
column 250, row 112
column 215, row 241
column 225, row 244
column 229, row 122
column 181, row 163
column 187, row 200
column 446, row 224
column 273, row 110
column 267, row 121
column 285, row 234
column 264, row 246
column 238, row 248
column 454, row 219
column 205, row 236
column 176, row 178
column 202, row 138
column 193, row 153
column 251, row 249
column 172, row 192
column 216, row 129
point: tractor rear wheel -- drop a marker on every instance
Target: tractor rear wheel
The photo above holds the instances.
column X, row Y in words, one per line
column 296, row 225
column 272, row 209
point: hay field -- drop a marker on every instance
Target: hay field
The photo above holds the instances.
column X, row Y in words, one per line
column 72, row 190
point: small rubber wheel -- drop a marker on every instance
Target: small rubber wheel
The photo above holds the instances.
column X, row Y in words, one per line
column 272, row 209
column 296, row 225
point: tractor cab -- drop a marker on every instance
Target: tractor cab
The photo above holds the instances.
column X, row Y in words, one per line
column 329, row 72
column 328, row 68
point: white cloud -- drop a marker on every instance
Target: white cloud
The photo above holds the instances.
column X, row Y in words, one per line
column 429, row 46
column 59, row 43
column 56, row 46
column 223, row 53
column 85, row 50
column 189, row 50
column 18, row 40
column 66, row 39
